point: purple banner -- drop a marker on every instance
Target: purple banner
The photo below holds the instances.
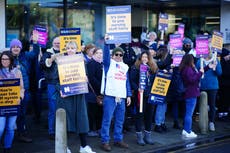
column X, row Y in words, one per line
column 175, row 41
column 40, row 35
column 202, row 49
column 180, row 30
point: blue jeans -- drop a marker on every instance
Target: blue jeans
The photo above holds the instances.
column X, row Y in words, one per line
column 52, row 98
column 190, row 105
column 21, row 119
column 7, row 123
column 160, row 113
column 110, row 108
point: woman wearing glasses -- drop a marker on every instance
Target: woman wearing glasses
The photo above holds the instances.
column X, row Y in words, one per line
column 7, row 122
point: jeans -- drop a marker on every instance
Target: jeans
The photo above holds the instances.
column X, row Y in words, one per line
column 52, row 98
column 110, row 108
column 21, row 119
column 212, row 104
column 190, row 105
column 7, row 123
column 160, row 113
column 146, row 115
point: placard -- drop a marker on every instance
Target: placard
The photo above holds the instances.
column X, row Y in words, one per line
column 177, row 58
column 180, row 29
column 9, row 96
column 72, row 76
column 143, row 76
column 163, row 22
column 202, row 48
column 175, row 41
column 40, row 35
column 67, row 35
column 118, row 24
column 217, row 41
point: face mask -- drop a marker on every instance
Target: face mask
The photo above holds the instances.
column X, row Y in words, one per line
column 186, row 49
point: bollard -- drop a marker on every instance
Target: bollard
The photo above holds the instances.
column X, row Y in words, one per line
column 60, row 132
column 203, row 113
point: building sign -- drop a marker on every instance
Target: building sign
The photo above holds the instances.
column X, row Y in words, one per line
column 72, row 76
column 9, row 96
column 67, row 35
column 118, row 24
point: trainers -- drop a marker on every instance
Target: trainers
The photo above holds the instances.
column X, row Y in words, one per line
column 121, row 144
column 211, row 126
column 189, row 135
column 93, row 134
column 106, row 147
column 86, row 149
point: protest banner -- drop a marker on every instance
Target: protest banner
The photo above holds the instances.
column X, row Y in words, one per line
column 180, row 29
column 72, row 76
column 9, row 96
column 142, row 83
column 118, row 24
column 67, row 35
column 202, row 48
column 160, row 87
column 40, row 35
column 177, row 59
column 175, row 41
column 217, row 42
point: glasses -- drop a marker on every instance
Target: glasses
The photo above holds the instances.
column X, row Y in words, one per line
column 5, row 59
column 121, row 55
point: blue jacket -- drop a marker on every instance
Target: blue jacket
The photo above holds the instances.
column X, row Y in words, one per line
column 24, row 62
column 210, row 79
column 106, row 61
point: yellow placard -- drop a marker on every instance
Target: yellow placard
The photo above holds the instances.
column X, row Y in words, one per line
column 71, row 69
column 160, row 86
column 9, row 96
column 65, row 39
column 217, row 42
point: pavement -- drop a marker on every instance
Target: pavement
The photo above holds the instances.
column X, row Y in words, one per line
column 164, row 142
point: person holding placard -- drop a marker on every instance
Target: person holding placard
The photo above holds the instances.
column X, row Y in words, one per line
column 210, row 84
column 142, row 84
column 75, row 107
column 7, row 123
column 49, row 67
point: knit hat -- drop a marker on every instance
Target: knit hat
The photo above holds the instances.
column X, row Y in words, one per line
column 117, row 49
column 16, row 42
column 187, row 41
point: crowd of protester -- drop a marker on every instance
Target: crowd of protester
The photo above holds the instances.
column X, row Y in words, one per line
column 114, row 72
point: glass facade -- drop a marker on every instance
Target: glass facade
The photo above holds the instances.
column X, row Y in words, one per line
column 23, row 15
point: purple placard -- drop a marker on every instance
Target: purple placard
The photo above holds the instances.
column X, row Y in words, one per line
column 175, row 41
column 163, row 22
column 143, row 76
column 202, row 49
column 40, row 35
column 177, row 59
column 180, row 29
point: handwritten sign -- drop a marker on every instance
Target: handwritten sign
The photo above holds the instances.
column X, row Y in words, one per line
column 40, row 35
column 72, row 76
column 175, row 41
column 160, row 87
column 202, row 49
column 217, row 41
column 67, row 35
column 9, row 96
column 163, row 22
column 118, row 24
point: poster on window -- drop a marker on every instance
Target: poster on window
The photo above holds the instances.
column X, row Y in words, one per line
column 67, row 35
column 118, row 24
column 72, row 76
column 9, row 97
column 160, row 87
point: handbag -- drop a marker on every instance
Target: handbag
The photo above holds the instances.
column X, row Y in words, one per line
column 99, row 98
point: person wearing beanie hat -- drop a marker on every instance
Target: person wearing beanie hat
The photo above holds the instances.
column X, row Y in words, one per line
column 22, row 60
column 117, row 92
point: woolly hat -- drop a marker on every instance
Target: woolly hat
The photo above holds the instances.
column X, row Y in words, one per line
column 16, row 42
column 117, row 49
column 187, row 41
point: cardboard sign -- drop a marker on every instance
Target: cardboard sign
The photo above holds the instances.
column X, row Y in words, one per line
column 175, row 41
column 163, row 22
column 180, row 29
column 9, row 96
column 160, row 87
column 40, row 35
column 72, row 76
column 67, row 35
column 118, row 24
column 217, row 41
column 202, row 49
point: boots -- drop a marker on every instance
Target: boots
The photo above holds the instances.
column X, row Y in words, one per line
column 148, row 138
column 140, row 140
column 6, row 150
